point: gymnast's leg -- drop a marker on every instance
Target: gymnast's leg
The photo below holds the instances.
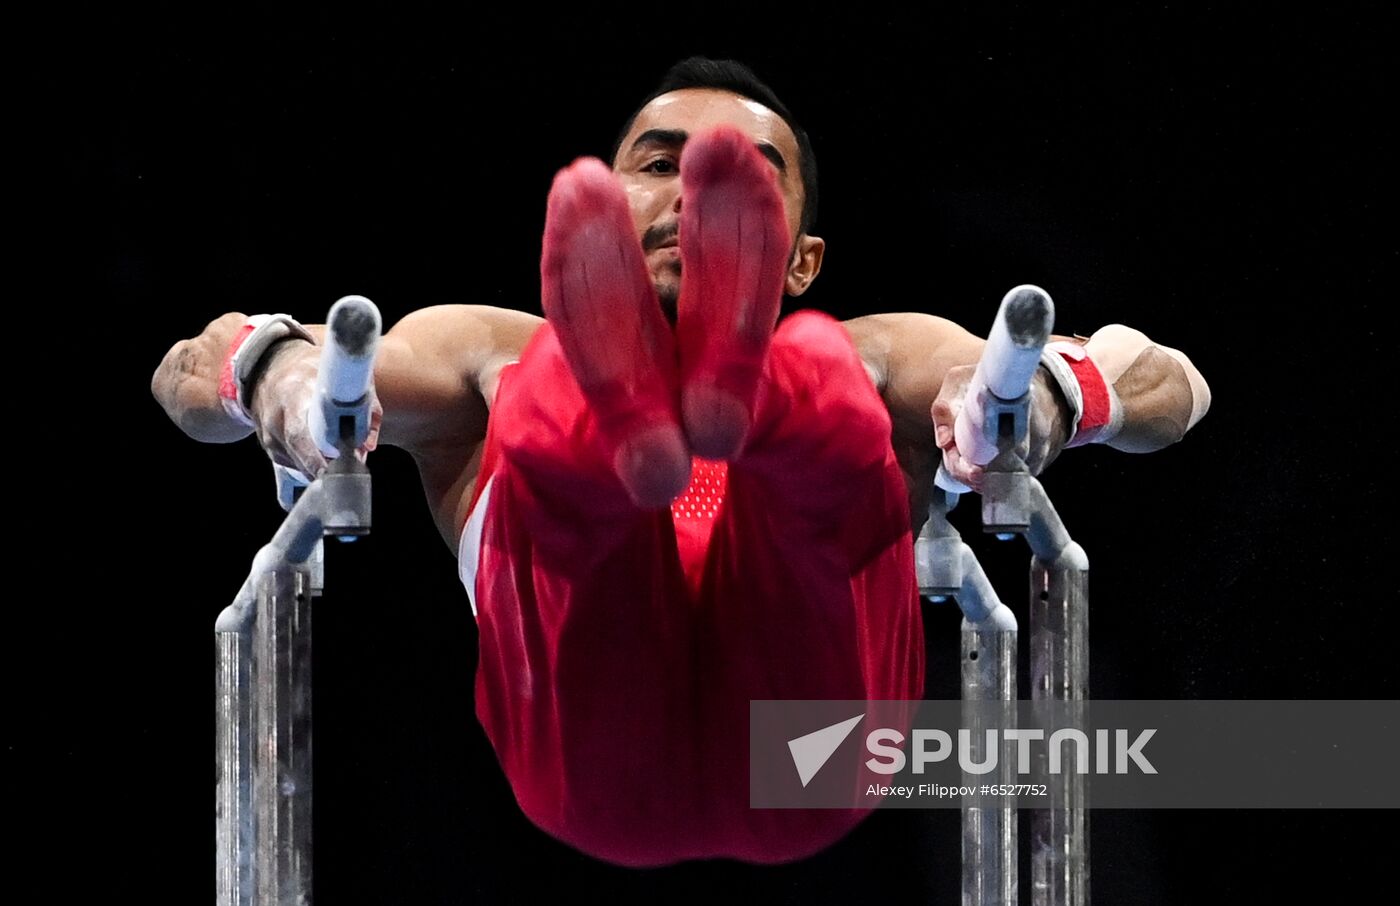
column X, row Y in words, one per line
column 809, row 589
column 585, row 686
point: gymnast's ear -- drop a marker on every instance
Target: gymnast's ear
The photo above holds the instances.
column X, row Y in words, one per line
column 806, row 263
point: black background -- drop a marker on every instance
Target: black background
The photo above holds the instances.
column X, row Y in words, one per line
column 1216, row 179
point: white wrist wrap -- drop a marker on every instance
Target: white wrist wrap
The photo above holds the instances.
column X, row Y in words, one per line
column 258, row 336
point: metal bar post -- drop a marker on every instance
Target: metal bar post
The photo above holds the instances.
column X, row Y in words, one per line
column 263, row 699
column 990, row 430
column 1059, row 616
column 282, row 759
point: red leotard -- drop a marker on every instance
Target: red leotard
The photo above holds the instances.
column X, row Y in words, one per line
column 620, row 647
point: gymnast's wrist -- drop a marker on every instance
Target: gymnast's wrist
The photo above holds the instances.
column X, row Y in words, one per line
column 285, row 354
column 248, row 357
column 1095, row 411
column 1051, row 421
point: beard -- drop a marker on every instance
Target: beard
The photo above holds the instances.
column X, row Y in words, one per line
column 668, row 291
column 668, row 279
column 668, row 294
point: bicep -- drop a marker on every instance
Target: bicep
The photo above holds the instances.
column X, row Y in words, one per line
column 908, row 355
column 432, row 366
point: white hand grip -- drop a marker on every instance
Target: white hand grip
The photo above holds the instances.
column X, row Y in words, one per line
column 346, row 372
column 1006, row 368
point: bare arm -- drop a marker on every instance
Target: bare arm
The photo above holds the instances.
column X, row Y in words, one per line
column 435, row 371
column 435, row 377
column 917, row 360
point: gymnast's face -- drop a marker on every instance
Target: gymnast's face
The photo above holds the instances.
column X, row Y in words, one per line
column 648, row 166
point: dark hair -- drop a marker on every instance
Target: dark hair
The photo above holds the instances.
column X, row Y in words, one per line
column 731, row 75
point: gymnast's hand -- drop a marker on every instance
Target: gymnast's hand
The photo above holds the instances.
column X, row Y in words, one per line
column 281, row 401
column 1049, row 425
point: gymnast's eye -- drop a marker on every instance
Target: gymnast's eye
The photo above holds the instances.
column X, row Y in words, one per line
column 662, row 165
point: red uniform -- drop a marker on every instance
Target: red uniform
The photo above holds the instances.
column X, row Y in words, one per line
column 620, row 647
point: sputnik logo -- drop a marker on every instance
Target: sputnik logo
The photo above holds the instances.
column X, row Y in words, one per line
column 812, row 751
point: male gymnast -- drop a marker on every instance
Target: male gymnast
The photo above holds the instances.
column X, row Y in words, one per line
column 664, row 502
